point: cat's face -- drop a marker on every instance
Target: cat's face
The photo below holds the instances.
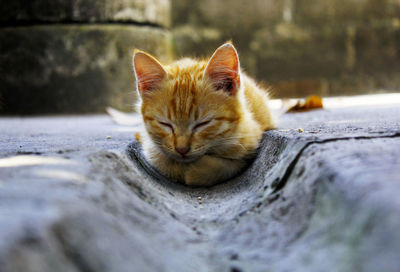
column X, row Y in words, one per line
column 190, row 108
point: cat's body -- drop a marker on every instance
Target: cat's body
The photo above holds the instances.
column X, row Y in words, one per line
column 203, row 118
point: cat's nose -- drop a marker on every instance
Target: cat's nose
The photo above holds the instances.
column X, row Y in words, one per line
column 182, row 150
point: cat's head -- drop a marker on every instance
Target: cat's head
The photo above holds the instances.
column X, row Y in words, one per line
column 190, row 108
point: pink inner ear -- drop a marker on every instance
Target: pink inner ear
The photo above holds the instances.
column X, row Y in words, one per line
column 149, row 72
column 223, row 69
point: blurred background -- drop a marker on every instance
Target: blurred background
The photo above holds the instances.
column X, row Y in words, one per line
column 74, row 56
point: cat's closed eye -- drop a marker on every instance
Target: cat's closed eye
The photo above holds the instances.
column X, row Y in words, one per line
column 201, row 124
column 168, row 125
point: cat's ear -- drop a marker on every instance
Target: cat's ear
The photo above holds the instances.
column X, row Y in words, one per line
column 148, row 71
column 223, row 69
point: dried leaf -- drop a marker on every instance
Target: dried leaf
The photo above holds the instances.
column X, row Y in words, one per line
column 312, row 102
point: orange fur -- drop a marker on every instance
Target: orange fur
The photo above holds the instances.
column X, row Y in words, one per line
column 208, row 109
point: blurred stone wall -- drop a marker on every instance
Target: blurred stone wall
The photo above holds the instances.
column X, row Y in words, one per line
column 300, row 47
column 74, row 56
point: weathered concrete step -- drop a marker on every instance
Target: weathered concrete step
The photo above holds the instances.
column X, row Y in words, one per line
column 352, row 186
column 155, row 12
column 94, row 209
column 73, row 68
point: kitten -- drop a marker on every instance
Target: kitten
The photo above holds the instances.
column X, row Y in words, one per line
column 203, row 119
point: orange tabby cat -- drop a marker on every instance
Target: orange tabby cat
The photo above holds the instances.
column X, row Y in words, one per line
column 203, row 118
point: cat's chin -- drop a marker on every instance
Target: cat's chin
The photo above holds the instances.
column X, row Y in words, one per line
column 180, row 159
column 184, row 159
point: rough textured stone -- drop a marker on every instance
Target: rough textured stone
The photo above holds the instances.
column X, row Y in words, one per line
column 73, row 68
column 188, row 38
column 342, row 60
column 343, row 12
column 139, row 11
column 326, row 197
column 300, row 47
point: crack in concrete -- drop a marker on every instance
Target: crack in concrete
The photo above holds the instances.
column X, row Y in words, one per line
column 281, row 183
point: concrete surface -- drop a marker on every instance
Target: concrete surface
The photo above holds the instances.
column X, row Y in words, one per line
column 325, row 199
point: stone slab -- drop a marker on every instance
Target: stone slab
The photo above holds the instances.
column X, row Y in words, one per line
column 155, row 12
column 73, row 68
column 301, row 48
column 322, row 198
